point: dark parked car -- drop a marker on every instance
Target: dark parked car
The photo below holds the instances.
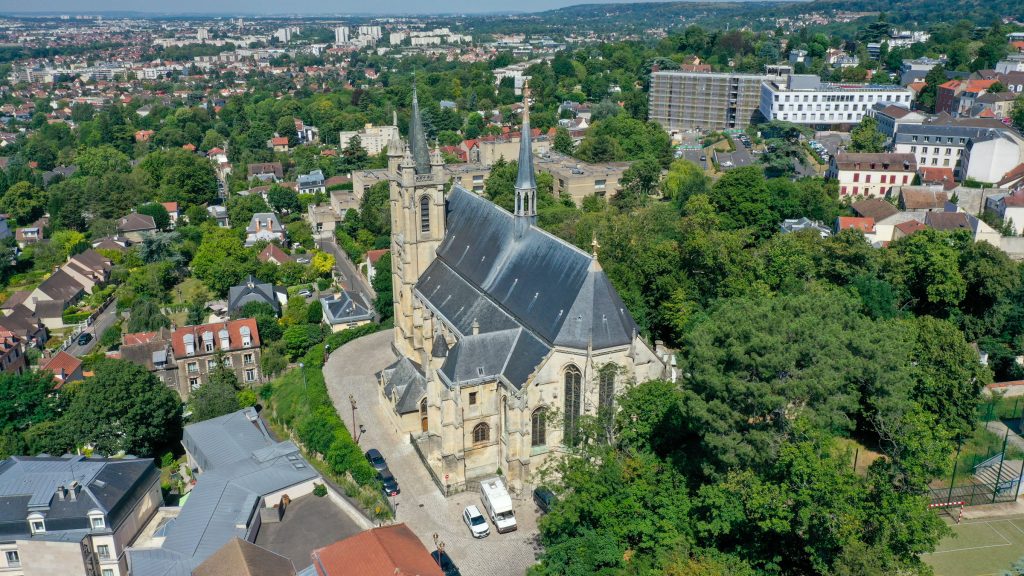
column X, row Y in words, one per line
column 376, row 459
column 446, row 564
column 543, row 498
column 389, row 482
column 84, row 338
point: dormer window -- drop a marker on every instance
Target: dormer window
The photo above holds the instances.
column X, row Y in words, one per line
column 96, row 520
column 246, row 337
column 36, row 523
column 190, row 345
column 225, row 339
column 208, row 341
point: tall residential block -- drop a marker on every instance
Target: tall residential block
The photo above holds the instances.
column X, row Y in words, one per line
column 704, row 100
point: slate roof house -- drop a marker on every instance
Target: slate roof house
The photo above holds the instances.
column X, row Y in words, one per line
column 312, row 183
column 152, row 350
column 197, row 349
column 240, row 471
column 252, row 290
column 496, row 322
column 341, row 311
column 264, row 226
column 134, row 225
column 74, row 515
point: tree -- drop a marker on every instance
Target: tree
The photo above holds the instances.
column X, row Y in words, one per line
column 24, row 203
column 283, row 199
column 26, row 399
column 299, row 338
column 930, row 272
column 865, row 137
column 125, row 408
column 354, row 156
column 160, row 216
column 322, row 264
column 638, row 182
column 375, row 209
column 222, row 260
column 382, row 286
column 743, row 197
column 927, row 99
column 146, row 316
column 102, row 160
column 159, row 247
column 563, row 141
column 215, row 397
column 241, row 208
column 684, row 179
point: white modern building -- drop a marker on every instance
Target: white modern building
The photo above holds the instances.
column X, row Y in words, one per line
column 372, row 138
column 342, row 35
column 805, row 99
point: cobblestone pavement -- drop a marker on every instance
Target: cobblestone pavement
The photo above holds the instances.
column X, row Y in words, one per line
column 421, row 505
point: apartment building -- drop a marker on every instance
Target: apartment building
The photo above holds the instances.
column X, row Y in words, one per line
column 805, row 99
column 372, row 138
column 198, row 349
column 940, row 144
column 72, row 515
column 681, row 101
column 577, row 179
column 871, row 175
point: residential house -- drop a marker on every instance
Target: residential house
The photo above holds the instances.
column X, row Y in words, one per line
column 904, row 229
column 385, row 551
column 266, row 171
column 278, row 144
column 873, row 208
column 871, row 175
column 152, row 350
column 941, row 141
column 12, row 353
column 172, row 211
column 372, row 257
column 219, row 214
column 922, row 199
column 72, row 515
column 578, row 180
column 29, row 234
column 89, row 268
column 1009, row 207
column 306, row 134
column 252, row 290
column 134, row 226
column 865, row 225
column 264, row 226
column 341, row 311
column 58, row 173
column 890, row 117
column 114, row 243
column 312, row 183
column 242, row 475
column 990, row 156
column 54, row 295
column 197, row 350
column 997, row 105
column 65, row 368
column 322, row 217
column 791, row 225
column 19, row 320
column 274, row 255
column 947, row 221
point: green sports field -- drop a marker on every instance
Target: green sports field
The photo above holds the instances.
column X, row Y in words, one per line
column 980, row 547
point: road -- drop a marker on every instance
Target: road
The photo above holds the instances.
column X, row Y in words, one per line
column 105, row 320
column 421, row 506
column 351, row 279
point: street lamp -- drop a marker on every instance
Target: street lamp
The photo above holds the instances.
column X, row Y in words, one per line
column 327, row 352
column 437, row 547
column 355, row 431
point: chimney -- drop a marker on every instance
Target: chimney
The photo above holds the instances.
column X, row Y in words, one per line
column 476, row 327
column 61, row 492
column 73, row 491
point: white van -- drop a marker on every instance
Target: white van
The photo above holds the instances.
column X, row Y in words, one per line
column 498, row 504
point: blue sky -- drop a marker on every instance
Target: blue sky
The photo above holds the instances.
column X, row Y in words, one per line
column 285, row 6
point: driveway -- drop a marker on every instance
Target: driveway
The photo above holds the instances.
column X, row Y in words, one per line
column 352, row 280
column 105, row 320
column 421, row 505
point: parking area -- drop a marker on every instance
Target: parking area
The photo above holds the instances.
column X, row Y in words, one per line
column 420, row 504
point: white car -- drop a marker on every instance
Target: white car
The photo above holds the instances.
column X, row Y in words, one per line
column 476, row 521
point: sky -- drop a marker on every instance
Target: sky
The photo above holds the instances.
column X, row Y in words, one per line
column 282, row 7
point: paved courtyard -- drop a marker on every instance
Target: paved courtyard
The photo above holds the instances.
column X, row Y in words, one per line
column 421, row 505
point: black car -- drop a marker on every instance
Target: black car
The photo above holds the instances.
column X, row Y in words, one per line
column 84, row 338
column 446, row 564
column 376, row 459
column 543, row 498
column 390, row 484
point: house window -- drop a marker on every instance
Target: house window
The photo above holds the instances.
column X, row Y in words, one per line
column 97, row 522
column 108, row 572
column 211, row 364
column 247, row 359
column 538, row 428
column 573, row 392
column 227, row 361
column 472, row 398
column 856, row 176
column 424, row 214
column 193, row 383
column 38, row 525
column 250, row 375
column 103, row 551
column 13, row 559
column 193, row 367
column 481, row 433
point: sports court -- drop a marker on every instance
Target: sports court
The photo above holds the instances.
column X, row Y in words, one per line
column 981, row 547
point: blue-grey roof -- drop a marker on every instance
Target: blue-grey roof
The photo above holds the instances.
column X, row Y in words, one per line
column 906, row 132
column 313, row 178
column 342, row 309
column 253, row 290
column 405, row 380
column 418, row 138
column 241, row 464
column 29, row 484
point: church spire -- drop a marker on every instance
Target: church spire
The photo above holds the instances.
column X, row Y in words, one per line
column 526, row 185
column 418, row 137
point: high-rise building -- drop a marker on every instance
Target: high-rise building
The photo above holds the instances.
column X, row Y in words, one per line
column 341, row 35
column 704, row 100
column 373, row 32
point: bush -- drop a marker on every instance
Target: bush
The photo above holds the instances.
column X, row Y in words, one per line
column 320, row 490
column 301, row 337
column 111, row 337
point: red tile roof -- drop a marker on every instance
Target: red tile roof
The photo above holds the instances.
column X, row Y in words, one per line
column 935, row 175
column 910, row 226
column 374, row 255
column 388, row 551
column 272, row 251
column 62, row 365
column 866, row 225
column 136, row 338
column 279, row 141
column 234, row 328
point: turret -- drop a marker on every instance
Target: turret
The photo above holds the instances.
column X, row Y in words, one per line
column 526, row 185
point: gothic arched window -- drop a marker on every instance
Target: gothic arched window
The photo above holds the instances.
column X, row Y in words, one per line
column 538, row 428
column 606, row 389
column 481, row 433
column 573, row 393
column 424, row 214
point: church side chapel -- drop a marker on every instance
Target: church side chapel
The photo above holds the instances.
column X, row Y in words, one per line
column 505, row 334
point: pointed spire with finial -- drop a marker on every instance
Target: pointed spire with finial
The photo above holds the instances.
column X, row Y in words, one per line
column 526, row 185
column 418, row 137
column 436, row 159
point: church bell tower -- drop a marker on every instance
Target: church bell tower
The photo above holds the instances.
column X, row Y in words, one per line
column 417, row 179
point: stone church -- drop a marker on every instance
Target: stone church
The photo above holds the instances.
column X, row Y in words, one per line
column 505, row 334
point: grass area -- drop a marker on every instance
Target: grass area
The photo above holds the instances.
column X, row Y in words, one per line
column 982, row 445
column 979, row 547
column 861, row 457
column 188, row 291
